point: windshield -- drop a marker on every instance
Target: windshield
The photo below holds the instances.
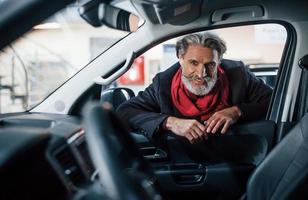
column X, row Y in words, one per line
column 40, row 61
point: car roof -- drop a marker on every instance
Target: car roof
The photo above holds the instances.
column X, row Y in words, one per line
column 17, row 17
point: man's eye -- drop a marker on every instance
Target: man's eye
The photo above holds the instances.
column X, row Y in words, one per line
column 194, row 62
column 211, row 65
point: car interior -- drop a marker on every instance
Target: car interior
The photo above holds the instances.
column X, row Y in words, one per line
column 73, row 145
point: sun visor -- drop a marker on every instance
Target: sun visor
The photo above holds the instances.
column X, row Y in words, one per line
column 179, row 13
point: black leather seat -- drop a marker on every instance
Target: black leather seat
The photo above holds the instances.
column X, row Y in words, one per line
column 283, row 173
column 116, row 96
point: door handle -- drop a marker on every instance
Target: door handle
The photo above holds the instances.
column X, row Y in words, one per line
column 188, row 179
column 153, row 153
column 188, row 174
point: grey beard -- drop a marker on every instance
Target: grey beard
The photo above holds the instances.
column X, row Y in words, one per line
column 200, row 90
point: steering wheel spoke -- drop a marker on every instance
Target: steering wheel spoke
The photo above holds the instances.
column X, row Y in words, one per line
column 107, row 138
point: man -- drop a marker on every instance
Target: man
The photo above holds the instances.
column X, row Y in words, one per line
column 202, row 94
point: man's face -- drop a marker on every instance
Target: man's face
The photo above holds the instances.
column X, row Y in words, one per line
column 199, row 69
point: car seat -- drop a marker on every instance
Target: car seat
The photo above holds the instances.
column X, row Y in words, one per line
column 116, row 96
column 283, row 173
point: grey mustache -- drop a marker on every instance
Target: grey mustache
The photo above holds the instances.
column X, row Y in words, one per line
column 193, row 78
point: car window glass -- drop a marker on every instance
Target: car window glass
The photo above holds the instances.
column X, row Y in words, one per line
column 260, row 47
column 40, row 61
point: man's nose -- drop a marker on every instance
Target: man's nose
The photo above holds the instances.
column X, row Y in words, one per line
column 201, row 71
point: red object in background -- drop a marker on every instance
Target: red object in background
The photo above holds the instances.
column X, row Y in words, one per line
column 135, row 75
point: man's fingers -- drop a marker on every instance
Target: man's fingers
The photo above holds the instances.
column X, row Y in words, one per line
column 200, row 126
column 195, row 138
column 226, row 127
column 195, row 131
column 211, row 125
column 189, row 137
column 201, row 136
column 198, row 131
column 194, row 134
column 218, row 125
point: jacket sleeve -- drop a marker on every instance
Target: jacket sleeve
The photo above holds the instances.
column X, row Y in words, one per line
column 258, row 96
column 143, row 111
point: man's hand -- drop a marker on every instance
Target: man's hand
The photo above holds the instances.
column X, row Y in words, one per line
column 193, row 130
column 223, row 118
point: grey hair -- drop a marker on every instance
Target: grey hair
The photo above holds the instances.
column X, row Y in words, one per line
column 207, row 39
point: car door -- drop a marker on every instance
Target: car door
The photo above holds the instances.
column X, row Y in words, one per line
column 219, row 165
column 222, row 164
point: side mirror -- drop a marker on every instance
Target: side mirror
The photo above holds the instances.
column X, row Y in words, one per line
column 97, row 14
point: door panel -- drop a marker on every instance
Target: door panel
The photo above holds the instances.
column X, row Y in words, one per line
column 221, row 164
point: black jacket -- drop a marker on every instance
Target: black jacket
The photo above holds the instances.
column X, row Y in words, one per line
column 151, row 107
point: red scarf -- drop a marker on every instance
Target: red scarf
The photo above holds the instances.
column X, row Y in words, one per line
column 191, row 105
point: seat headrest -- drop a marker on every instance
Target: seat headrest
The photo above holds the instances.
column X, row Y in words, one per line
column 116, row 96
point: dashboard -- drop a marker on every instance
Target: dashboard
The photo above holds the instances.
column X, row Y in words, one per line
column 43, row 156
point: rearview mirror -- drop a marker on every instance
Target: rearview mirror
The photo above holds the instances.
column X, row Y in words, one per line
column 97, row 14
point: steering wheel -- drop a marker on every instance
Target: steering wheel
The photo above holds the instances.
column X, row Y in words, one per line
column 106, row 136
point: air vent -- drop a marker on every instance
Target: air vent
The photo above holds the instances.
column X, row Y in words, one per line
column 70, row 167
